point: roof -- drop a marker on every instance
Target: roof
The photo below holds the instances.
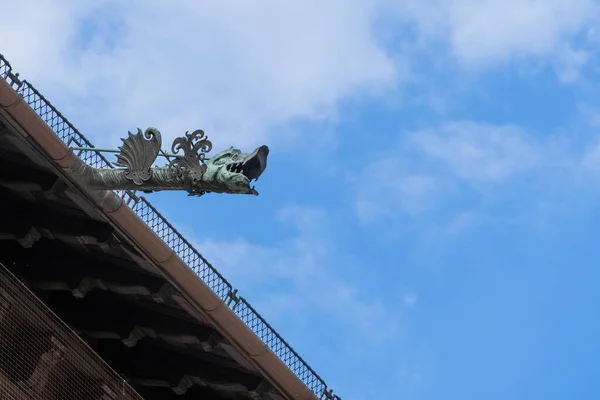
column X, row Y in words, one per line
column 150, row 242
column 41, row 355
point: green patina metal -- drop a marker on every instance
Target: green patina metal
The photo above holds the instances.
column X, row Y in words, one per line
column 229, row 171
column 162, row 153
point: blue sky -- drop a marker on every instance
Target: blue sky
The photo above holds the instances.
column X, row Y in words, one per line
column 427, row 226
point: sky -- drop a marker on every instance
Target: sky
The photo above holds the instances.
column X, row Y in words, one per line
column 427, row 227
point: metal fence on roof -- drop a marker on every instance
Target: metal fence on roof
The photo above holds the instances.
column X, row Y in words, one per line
column 167, row 232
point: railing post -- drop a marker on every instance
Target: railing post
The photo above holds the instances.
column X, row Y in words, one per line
column 13, row 78
column 232, row 298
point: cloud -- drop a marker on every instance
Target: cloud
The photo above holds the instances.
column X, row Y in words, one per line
column 287, row 279
column 25, row 37
column 388, row 186
column 410, row 299
column 241, row 72
column 591, row 159
column 233, row 70
column 459, row 223
column 430, row 166
column 570, row 64
column 482, row 33
column 588, row 166
column 590, row 114
column 478, row 152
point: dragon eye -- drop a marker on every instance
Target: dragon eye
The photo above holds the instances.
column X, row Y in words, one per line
column 228, row 156
column 219, row 161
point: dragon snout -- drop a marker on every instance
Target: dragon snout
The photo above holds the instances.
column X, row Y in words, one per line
column 255, row 163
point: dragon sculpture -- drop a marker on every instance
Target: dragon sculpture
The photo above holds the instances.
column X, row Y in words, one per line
column 229, row 171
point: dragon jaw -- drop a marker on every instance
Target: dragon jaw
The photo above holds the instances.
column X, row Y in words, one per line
column 233, row 171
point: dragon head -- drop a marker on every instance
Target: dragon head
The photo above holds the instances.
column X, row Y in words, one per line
column 232, row 171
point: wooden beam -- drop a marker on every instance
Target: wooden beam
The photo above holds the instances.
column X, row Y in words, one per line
column 19, row 216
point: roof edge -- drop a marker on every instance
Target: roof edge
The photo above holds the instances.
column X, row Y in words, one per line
column 155, row 249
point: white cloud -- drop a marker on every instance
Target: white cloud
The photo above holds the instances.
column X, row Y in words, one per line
column 238, row 72
column 590, row 113
column 478, row 152
column 430, row 166
column 591, row 160
column 570, row 63
column 233, row 70
column 485, row 32
column 410, row 299
column 389, row 186
column 589, row 164
column 459, row 223
column 299, row 273
column 35, row 35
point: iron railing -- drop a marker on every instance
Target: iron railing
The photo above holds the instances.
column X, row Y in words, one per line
column 167, row 232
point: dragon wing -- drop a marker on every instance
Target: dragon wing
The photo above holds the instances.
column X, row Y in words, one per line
column 138, row 153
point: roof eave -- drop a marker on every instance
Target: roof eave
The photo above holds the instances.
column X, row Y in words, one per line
column 201, row 298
